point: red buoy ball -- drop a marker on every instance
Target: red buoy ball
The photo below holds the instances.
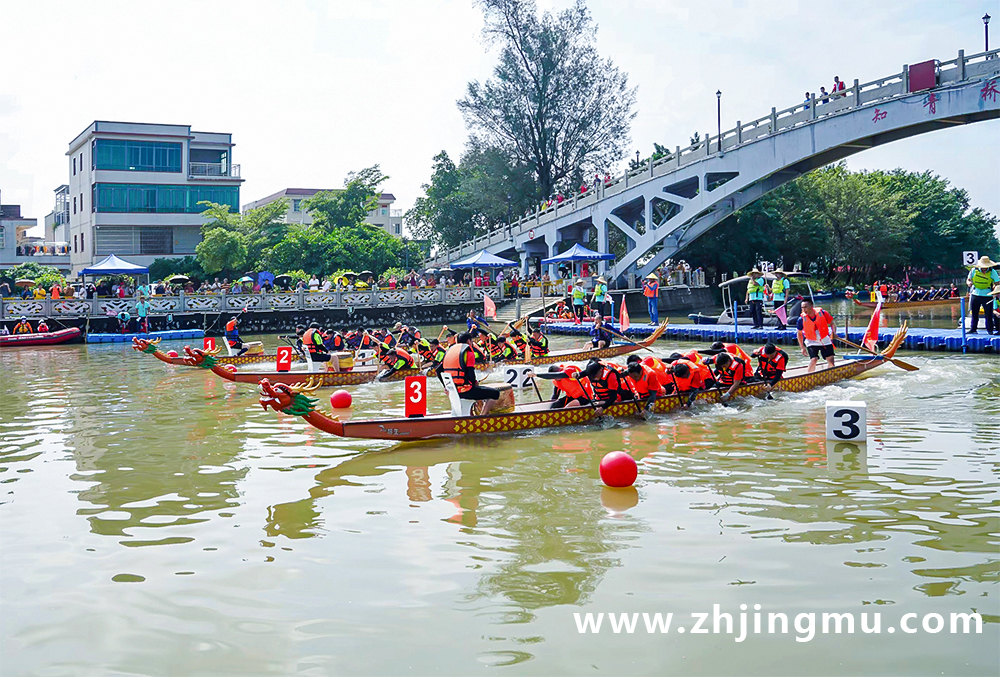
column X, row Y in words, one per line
column 618, row 469
column 172, row 353
column 341, row 399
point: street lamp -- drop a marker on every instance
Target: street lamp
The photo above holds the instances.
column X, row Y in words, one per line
column 986, row 27
column 637, row 159
column 718, row 98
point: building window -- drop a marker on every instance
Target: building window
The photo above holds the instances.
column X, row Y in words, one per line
column 74, row 244
column 74, row 166
column 81, row 203
column 397, row 229
column 160, row 199
column 136, row 156
column 74, row 205
column 81, row 160
column 83, row 248
column 295, row 205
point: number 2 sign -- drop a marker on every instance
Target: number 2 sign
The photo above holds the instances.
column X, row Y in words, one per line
column 284, row 358
column 415, row 388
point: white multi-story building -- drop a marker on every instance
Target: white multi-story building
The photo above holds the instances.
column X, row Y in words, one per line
column 134, row 189
column 384, row 216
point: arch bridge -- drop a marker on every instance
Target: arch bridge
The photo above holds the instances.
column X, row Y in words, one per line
column 665, row 205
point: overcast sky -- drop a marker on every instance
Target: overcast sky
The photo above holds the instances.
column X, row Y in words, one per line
column 311, row 90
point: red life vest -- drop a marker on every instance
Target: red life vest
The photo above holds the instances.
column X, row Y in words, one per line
column 736, row 351
column 572, row 388
column 818, row 327
column 650, row 380
column 456, row 360
column 695, row 378
column 611, row 379
column 736, row 370
column 770, row 366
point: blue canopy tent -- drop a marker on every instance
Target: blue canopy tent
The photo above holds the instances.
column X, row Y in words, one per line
column 575, row 254
column 113, row 265
column 484, row 259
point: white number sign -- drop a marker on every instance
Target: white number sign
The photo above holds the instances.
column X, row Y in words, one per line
column 969, row 258
column 847, row 421
column 517, row 375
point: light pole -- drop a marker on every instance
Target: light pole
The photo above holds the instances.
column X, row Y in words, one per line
column 718, row 98
column 637, row 159
column 986, row 28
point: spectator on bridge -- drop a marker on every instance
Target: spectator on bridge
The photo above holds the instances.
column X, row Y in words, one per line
column 4, row 289
column 808, row 100
column 313, row 283
column 838, row 86
column 823, row 96
column 583, row 189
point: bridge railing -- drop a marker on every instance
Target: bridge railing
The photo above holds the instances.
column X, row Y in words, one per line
column 856, row 96
column 232, row 303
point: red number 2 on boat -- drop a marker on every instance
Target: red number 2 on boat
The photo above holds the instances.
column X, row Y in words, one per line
column 284, row 358
column 416, row 396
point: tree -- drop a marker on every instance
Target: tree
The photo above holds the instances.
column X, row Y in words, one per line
column 46, row 276
column 350, row 206
column 553, row 104
column 222, row 249
column 262, row 228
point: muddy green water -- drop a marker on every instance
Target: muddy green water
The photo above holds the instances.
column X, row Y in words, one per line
column 155, row 521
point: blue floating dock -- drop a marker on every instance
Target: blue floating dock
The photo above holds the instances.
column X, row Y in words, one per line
column 917, row 338
column 172, row 335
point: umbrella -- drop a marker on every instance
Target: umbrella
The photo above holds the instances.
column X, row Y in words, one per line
column 244, row 279
column 283, row 276
column 366, row 273
column 25, row 283
column 178, row 278
column 349, row 274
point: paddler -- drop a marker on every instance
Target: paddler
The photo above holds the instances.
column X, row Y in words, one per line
column 816, row 330
column 572, row 389
column 335, row 341
column 517, row 340
column 610, row 383
column 779, row 291
column 645, row 383
column 730, row 372
column 686, row 379
column 233, row 335
column 395, row 358
column 772, row 362
column 981, row 279
column 504, row 350
column 731, row 348
column 707, row 376
column 460, row 363
column 600, row 337
column 538, row 343
column 756, row 286
column 312, row 340
column 23, row 326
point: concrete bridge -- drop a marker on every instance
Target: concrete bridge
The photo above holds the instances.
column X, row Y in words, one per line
column 665, row 205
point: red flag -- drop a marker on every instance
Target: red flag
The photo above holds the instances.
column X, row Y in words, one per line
column 870, row 340
column 489, row 308
column 623, row 317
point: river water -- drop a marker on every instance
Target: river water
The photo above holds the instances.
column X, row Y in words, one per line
column 155, row 521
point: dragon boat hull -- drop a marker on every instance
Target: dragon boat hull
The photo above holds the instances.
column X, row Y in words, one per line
column 904, row 305
column 540, row 416
column 49, row 338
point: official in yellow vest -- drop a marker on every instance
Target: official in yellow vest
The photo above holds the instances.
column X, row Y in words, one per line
column 981, row 280
column 756, row 287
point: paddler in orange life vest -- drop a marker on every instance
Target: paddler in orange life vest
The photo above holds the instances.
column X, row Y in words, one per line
column 233, row 335
column 645, row 382
column 610, row 383
column 816, row 330
column 730, row 348
column 772, row 362
column 730, row 372
column 572, row 389
column 312, row 341
column 460, row 364
column 538, row 343
column 504, row 350
column 395, row 358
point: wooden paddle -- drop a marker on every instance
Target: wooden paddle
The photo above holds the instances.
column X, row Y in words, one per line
column 899, row 363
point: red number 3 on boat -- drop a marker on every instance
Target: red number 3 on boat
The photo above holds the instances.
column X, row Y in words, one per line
column 416, row 396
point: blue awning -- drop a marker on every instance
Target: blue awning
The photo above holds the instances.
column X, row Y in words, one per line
column 115, row 266
column 484, row 260
column 578, row 253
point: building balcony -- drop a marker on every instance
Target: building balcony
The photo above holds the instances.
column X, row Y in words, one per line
column 213, row 170
column 43, row 253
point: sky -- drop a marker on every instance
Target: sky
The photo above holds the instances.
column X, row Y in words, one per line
column 312, row 90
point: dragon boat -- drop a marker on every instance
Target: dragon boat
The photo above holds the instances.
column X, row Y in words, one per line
column 195, row 357
column 903, row 305
column 45, row 338
column 295, row 400
column 244, row 359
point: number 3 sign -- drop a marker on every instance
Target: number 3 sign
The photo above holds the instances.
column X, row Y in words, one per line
column 415, row 388
column 847, row 421
column 969, row 258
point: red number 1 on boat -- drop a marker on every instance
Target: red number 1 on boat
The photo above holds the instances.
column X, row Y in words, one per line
column 208, row 343
column 416, row 396
column 284, row 358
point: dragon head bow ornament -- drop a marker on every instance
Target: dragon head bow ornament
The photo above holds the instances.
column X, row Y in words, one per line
column 288, row 399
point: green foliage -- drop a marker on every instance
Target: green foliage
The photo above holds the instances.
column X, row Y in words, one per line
column 354, row 248
column 350, row 206
column 552, row 104
column 261, row 228
column 877, row 223
column 160, row 269
column 222, row 250
column 45, row 276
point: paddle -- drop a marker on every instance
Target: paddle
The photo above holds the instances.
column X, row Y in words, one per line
column 614, row 333
column 899, row 363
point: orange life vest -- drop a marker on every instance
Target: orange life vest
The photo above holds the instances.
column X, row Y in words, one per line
column 736, row 351
column 818, row 327
column 695, row 378
column 736, row 370
column 770, row 366
column 572, row 388
column 309, row 339
column 458, row 357
column 650, row 380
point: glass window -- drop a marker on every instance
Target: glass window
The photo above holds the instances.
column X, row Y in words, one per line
column 295, row 205
column 136, row 156
column 156, row 199
column 74, row 166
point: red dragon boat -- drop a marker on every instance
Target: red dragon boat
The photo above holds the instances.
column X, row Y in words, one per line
column 195, row 357
column 48, row 338
column 294, row 400
column 903, row 305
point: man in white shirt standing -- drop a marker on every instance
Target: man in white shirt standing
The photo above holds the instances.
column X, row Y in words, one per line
column 313, row 284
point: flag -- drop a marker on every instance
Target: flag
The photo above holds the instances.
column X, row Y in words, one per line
column 781, row 314
column 489, row 308
column 870, row 340
column 623, row 317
